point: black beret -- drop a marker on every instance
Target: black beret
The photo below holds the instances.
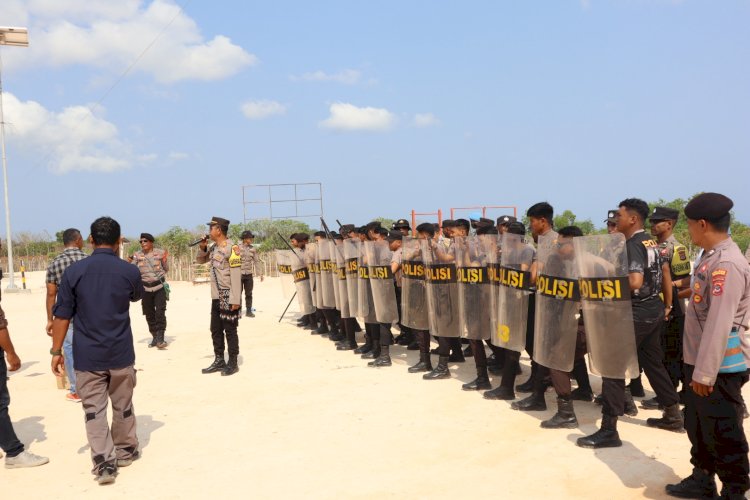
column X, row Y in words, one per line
column 247, row 234
column 708, row 206
column 401, row 223
column 505, row 219
column 517, row 228
column 147, row 236
column 395, row 235
column 664, row 213
column 218, row 221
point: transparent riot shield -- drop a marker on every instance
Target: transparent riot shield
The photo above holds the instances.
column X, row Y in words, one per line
column 327, row 299
column 365, row 302
column 381, row 281
column 607, row 312
column 557, row 303
column 301, row 276
column 492, row 248
column 515, row 288
column 313, row 265
column 414, row 307
column 441, row 283
column 474, row 287
column 351, row 255
column 284, row 267
column 341, row 280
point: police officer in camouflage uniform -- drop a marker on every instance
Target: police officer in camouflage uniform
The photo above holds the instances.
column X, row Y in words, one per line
column 250, row 266
column 225, row 267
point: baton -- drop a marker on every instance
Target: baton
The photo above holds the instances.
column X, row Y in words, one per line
column 287, row 306
column 285, row 242
column 328, row 234
column 339, row 223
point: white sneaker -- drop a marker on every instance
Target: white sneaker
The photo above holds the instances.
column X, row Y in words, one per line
column 25, row 459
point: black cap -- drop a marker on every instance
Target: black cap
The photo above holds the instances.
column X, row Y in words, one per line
column 218, row 221
column 401, row 223
column 505, row 219
column 147, row 236
column 394, row 235
column 346, row 229
column 708, row 206
column 336, row 236
column 664, row 213
column 449, row 223
column 247, row 234
column 612, row 216
column 486, row 229
column 320, row 234
column 516, row 227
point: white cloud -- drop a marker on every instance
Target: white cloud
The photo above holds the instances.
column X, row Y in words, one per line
column 112, row 34
column 347, row 77
column 73, row 139
column 178, row 156
column 346, row 116
column 422, row 120
column 258, row 110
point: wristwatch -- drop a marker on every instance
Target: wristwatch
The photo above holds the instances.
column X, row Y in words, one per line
column 55, row 352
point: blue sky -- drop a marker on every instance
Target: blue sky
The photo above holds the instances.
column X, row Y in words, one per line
column 393, row 106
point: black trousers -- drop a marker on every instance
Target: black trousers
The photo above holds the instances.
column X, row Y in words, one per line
column 9, row 442
column 480, row 356
column 247, row 285
column 220, row 328
column 714, row 427
column 154, row 305
column 671, row 343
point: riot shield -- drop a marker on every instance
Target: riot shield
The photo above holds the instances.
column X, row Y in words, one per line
column 442, row 290
column 351, row 254
column 365, row 302
column 381, row 281
column 414, row 307
column 493, row 248
column 474, row 288
column 313, row 265
column 515, row 288
column 327, row 299
column 557, row 303
column 335, row 272
column 301, row 276
column 284, row 267
column 602, row 263
column 341, row 280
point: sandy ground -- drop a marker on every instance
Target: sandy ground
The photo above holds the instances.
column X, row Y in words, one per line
column 303, row 420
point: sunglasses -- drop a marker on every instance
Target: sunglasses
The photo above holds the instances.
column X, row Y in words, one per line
column 145, row 241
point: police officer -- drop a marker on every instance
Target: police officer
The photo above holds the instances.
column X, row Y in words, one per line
column 717, row 355
column 402, row 226
column 611, row 221
column 225, row 267
column 250, row 266
column 153, row 265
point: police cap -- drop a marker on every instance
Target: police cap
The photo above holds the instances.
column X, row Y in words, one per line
column 401, row 223
column 664, row 213
column 218, row 221
column 147, row 236
column 708, row 206
column 516, row 227
column 505, row 220
column 247, row 234
column 612, row 216
column 395, row 235
column 346, row 229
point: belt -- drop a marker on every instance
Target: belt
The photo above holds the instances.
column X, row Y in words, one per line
column 151, row 284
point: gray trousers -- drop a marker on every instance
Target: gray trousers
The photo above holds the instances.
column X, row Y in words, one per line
column 95, row 388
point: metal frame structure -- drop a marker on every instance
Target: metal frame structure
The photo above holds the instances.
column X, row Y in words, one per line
column 484, row 209
column 414, row 214
column 271, row 201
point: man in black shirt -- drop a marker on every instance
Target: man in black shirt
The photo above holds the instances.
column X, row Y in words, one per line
column 646, row 279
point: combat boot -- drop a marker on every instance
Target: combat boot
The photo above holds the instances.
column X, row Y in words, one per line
column 153, row 340
column 312, row 323
column 160, row 342
column 481, row 383
column 699, row 484
column 456, row 357
column 631, row 409
column 217, row 366
column 581, row 394
column 440, row 371
column 535, row 402
column 528, row 386
column 605, row 437
column 231, row 367
column 651, row 404
column 336, row 335
column 565, row 418
column 366, row 347
column 383, row 360
column 636, row 387
column 424, row 364
column 350, row 342
column 671, row 419
column 504, row 393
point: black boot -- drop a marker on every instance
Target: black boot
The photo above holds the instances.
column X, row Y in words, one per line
column 636, row 387
column 312, row 323
column 153, row 340
column 160, row 342
column 303, row 321
column 565, row 418
column 383, row 360
column 504, row 393
column 366, row 347
column 375, row 352
column 651, row 404
column 424, row 364
column 733, row 491
column 350, row 342
column 456, row 357
column 481, row 383
column 699, row 484
column 440, row 371
column 605, row 437
column 671, row 420
column 467, row 351
column 630, row 408
column 216, row 366
column 581, row 394
column 528, row 386
column 231, row 367
column 535, row 402
column 336, row 335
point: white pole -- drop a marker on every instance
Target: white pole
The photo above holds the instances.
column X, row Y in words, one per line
column 11, row 283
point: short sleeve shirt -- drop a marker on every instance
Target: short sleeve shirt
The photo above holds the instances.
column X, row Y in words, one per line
column 644, row 258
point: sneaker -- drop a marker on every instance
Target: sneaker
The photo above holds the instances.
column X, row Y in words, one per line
column 73, row 397
column 25, row 459
column 106, row 474
column 124, row 462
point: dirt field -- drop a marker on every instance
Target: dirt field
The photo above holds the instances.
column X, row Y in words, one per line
column 301, row 420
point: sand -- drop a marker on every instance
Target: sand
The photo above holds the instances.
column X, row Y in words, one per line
column 302, row 420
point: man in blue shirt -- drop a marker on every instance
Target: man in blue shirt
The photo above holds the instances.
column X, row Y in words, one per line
column 97, row 291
